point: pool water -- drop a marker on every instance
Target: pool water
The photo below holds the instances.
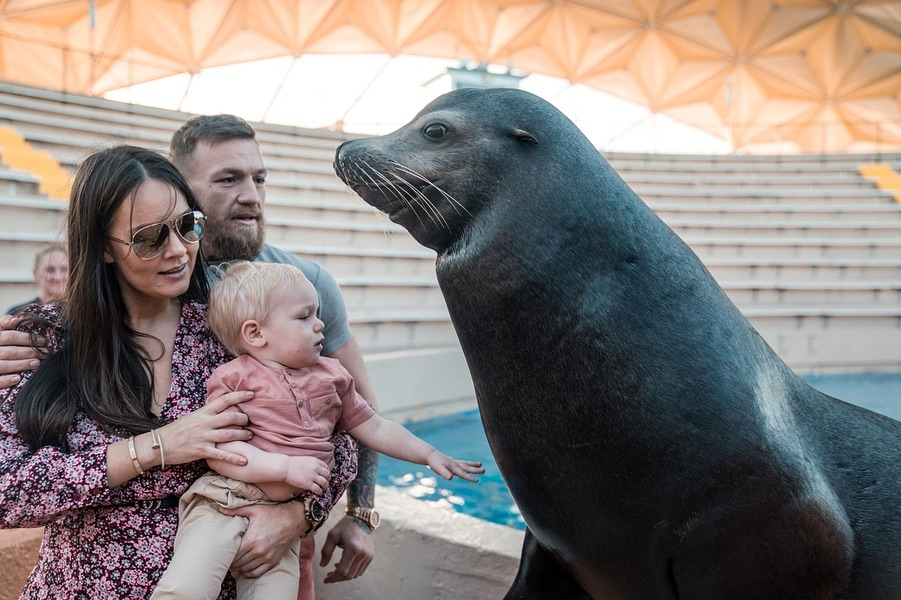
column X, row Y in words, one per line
column 461, row 436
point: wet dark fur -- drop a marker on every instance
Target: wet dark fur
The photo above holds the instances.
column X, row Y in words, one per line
column 657, row 447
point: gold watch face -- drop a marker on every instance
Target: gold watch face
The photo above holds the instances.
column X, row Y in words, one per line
column 374, row 519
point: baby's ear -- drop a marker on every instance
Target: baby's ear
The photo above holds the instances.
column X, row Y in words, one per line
column 252, row 334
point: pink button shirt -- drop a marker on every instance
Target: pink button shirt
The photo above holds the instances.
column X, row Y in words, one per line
column 293, row 411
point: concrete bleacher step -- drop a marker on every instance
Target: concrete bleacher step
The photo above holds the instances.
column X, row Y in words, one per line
column 804, row 269
column 378, row 293
column 787, row 294
column 651, row 194
column 283, row 232
column 788, row 230
column 368, row 261
column 390, row 330
column 761, row 248
column 89, row 120
column 52, row 133
column 341, row 207
column 377, row 233
column 778, row 213
column 18, row 183
column 337, row 203
column 814, row 338
column 734, row 163
column 394, row 262
column 31, row 214
column 714, row 180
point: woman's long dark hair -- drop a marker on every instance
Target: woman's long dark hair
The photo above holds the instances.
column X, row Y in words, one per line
column 100, row 368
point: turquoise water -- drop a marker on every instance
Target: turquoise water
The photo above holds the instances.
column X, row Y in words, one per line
column 461, row 436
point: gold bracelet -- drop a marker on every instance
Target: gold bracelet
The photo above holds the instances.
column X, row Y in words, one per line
column 134, row 456
column 157, row 444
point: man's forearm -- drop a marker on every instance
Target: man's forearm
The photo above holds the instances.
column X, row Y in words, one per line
column 361, row 491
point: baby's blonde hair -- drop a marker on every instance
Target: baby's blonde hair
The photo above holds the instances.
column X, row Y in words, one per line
column 242, row 294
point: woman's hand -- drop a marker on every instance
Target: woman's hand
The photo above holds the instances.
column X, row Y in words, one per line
column 189, row 438
column 195, row 435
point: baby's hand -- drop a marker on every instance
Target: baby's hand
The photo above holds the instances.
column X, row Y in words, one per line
column 447, row 467
column 307, row 473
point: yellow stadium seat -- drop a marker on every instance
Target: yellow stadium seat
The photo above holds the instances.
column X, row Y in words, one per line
column 17, row 153
column 884, row 177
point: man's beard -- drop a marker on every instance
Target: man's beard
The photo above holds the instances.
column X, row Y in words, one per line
column 223, row 243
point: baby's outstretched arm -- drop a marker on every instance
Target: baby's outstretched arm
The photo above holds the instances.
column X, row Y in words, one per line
column 303, row 472
column 393, row 440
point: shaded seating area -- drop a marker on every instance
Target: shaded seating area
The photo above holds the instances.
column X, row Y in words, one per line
column 806, row 245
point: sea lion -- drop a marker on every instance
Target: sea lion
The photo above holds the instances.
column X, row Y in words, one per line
column 656, row 446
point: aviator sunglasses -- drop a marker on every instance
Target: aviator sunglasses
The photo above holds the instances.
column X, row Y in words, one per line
column 148, row 241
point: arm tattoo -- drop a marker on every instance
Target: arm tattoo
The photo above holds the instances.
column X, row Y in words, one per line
column 361, row 491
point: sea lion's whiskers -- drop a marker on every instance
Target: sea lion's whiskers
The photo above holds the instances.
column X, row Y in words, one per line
column 398, row 193
column 424, row 200
column 453, row 201
column 410, row 193
column 361, row 170
column 416, row 194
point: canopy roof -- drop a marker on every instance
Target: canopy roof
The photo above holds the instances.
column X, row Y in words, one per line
column 824, row 75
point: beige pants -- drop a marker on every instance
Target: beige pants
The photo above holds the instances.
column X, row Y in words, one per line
column 207, row 541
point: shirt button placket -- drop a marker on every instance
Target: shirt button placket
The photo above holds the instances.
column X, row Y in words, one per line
column 297, row 396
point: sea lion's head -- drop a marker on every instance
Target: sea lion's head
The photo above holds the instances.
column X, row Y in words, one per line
column 436, row 174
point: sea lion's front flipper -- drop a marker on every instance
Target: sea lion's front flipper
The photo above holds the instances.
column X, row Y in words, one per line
column 542, row 577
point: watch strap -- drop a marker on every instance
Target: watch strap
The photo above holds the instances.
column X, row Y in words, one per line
column 312, row 524
column 363, row 514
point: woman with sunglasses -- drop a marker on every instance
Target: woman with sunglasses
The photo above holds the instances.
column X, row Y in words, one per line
column 97, row 444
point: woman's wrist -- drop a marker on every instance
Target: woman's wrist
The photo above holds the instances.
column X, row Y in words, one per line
column 149, row 451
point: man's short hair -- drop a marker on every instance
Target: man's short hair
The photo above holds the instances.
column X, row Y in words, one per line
column 206, row 128
column 243, row 294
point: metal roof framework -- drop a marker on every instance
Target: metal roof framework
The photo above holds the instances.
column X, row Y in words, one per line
column 819, row 75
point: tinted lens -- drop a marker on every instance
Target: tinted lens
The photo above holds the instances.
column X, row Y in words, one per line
column 190, row 226
column 148, row 241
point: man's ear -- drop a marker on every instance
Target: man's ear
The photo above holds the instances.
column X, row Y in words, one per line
column 252, row 334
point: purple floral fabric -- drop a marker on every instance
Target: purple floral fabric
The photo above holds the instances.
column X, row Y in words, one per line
column 96, row 543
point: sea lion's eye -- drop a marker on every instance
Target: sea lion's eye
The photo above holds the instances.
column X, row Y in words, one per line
column 435, row 131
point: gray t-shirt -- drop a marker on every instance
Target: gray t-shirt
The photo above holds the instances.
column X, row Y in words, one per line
column 332, row 311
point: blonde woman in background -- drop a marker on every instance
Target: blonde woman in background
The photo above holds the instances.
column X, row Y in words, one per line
column 51, row 273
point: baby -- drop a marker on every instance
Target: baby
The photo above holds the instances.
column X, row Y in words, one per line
column 265, row 314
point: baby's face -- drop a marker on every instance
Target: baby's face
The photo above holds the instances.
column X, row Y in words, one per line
column 293, row 331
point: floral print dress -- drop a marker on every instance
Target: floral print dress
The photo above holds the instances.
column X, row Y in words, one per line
column 98, row 542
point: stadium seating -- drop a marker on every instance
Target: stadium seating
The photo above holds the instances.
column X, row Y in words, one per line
column 807, row 246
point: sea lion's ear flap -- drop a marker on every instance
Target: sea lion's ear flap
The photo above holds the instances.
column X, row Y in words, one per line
column 524, row 137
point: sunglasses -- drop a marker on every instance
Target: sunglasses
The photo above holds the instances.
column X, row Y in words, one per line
column 148, row 241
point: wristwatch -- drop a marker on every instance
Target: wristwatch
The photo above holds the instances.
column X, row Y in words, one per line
column 367, row 515
column 315, row 514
